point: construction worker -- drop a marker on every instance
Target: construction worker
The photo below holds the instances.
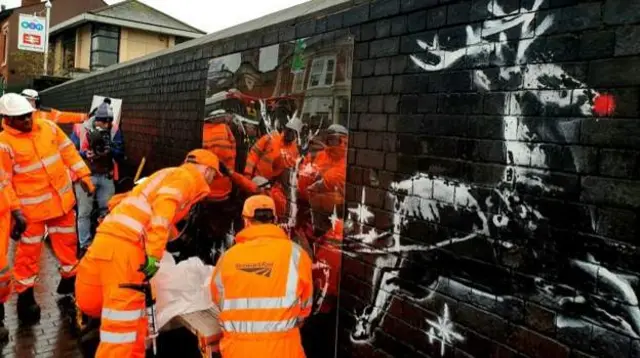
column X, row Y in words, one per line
column 262, row 287
column 5, row 232
column 218, row 138
column 128, row 248
column 271, row 146
column 321, row 178
column 102, row 153
column 37, row 155
column 51, row 114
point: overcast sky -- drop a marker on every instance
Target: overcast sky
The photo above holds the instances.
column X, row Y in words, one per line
column 208, row 15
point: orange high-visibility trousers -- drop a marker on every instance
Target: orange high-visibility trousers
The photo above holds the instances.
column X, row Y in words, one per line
column 5, row 269
column 110, row 262
column 62, row 233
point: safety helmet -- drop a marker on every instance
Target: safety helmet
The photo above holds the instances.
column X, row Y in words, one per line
column 258, row 203
column 295, row 124
column 203, row 157
column 260, row 181
column 14, row 105
column 30, row 93
column 337, row 129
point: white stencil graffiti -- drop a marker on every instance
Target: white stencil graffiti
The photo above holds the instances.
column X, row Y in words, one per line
column 443, row 330
column 483, row 214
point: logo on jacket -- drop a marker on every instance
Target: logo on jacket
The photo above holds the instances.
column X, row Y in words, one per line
column 261, row 268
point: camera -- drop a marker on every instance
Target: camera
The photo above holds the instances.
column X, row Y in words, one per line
column 100, row 141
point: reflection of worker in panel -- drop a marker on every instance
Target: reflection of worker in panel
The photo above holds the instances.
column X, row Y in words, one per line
column 102, row 153
column 37, row 155
column 263, row 288
column 218, row 138
column 322, row 176
column 260, row 161
column 51, row 114
column 128, row 247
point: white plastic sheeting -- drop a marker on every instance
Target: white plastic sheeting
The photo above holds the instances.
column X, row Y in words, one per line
column 181, row 288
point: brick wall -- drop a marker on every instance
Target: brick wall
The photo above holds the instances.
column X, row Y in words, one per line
column 492, row 191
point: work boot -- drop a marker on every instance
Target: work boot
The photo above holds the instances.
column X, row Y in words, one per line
column 67, row 286
column 4, row 332
column 28, row 309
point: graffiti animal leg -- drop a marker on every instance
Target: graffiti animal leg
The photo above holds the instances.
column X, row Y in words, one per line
column 372, row 315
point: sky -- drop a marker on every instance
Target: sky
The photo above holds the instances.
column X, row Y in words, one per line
column 208, row 15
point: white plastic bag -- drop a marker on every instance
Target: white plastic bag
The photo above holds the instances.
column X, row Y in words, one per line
column 181, row 288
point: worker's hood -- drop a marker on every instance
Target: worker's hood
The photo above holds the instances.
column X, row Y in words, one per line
column 259, row 232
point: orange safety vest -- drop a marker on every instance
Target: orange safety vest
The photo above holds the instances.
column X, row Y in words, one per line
column 332, row 171
column 327, row 266
column 262, row 286
column 218, row 138
column 263, row 154
column 276, row 192
column 151, row 209
column 38, row 163
column 60, row 117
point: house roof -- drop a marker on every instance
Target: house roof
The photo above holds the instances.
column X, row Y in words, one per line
column 133, row 14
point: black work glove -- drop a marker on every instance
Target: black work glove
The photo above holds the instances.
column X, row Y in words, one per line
column 19, row 225
column 224, row 170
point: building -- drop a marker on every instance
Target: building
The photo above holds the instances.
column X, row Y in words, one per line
column 95, row 39
column 18, row 68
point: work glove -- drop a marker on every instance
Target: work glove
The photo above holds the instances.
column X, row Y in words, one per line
column 224, row 170
column 87, row 185
column 19, row 224
column 150, row 266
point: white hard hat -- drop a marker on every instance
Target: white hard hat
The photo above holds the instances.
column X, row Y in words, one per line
column 260, row 181
column 30, row 93
column 13, row 105
column 294, row 123
column 337, row 129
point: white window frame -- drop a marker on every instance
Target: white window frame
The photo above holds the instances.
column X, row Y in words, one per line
column 5, row 33
column 298, row 79
column 323, row 74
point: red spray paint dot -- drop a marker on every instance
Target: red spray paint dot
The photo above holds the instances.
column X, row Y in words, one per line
column 604, row 105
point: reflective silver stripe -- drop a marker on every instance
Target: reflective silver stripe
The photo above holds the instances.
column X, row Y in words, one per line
column 170, row 191
column 119, row 315
column 35, row 166
column 36, row 200
column 65, row 189
column 67, row 268
column 31, row 239
column 259, row 326
column 111, row 337
column 155, row 182
column 139, row 202
column 307, row 303
column 126, row 221
column 65, row 144
column 79, row 165
column 28, row 281
column 61, row 230
column 288, row 300
column 160, row 221
column 6, row 148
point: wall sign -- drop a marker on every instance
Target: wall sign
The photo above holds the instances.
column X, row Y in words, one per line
column 31, row 33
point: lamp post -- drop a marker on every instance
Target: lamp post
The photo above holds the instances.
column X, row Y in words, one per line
column 47, row 6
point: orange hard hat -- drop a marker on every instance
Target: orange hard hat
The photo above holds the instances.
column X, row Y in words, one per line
column 258, row 202
column 203, row 157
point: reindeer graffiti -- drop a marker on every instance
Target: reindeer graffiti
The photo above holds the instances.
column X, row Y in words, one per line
column 503, row 227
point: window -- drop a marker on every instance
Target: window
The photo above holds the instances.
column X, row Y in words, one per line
column 322, row 72
column 298, row 82
column 69, row 50
column 105, row 45
column 5, row 43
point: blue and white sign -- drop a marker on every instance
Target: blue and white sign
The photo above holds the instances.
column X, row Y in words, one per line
column 31, row 33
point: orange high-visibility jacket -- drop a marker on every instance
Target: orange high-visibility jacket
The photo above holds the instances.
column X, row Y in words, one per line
column 218, row 138
column 263, row 288
column 276, row 192
column 328, row 263
column 332, row 172
column 60, row 117
column 153, row 207
column 264, row 153
column 37, row 163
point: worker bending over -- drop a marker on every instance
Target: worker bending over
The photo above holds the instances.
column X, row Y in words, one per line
column 263, row 288
column 37, row 155
column 51, row 114
column 128, row 247
column 270, row 147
